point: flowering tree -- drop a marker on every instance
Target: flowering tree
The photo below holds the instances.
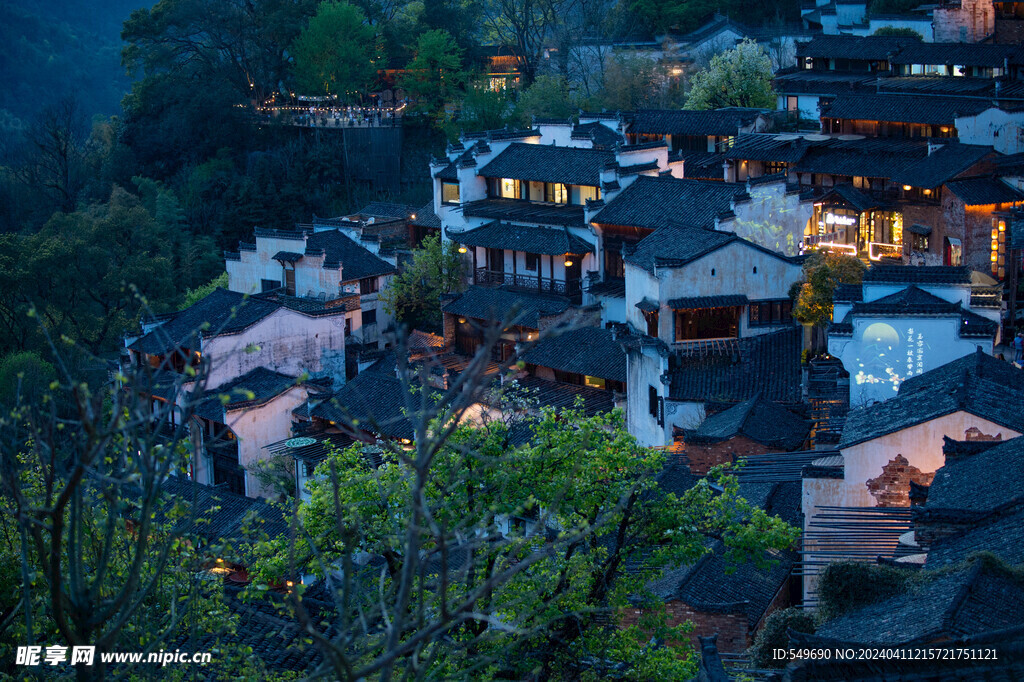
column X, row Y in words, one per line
column 740, row 77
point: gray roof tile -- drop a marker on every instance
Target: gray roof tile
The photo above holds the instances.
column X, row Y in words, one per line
column 531, row 239
column 590, row 351
column 978, row 384
column 545, row 163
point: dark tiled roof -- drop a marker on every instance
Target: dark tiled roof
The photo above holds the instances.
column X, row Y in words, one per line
column 425, row 217
column 700, row 302
column 680, row 244
column 654, row 202
column 524, row 211
column 373, row 401
column 613, row 286
column 531, row 239
column 287, row 256
column 648, row 306
column 963, row 54
column 690, row 122
column 768, row 364
column 385, row 209
column 804, row 82
column 858, row 199
column 255, row 387
column 487, row 303
column 969, row 601
column 868, row 158
column 918, row 228
column 221, row 312
column 910, row 300
column 977, row 383
column 770, row 147
column 902, row 108
column 923, row 275
column 848, row 293
column 981, row 481
column 591, row 351
column 853, row 47
column 1001, row 533
column 941, row 165
column 708, row 586
column 562, row 396
column 544, row 163
column 702, row 165
column 599, row 134
column 356, row 262
column 449, row 173
column 224, row 513
column 759, row 420
column 983, row 191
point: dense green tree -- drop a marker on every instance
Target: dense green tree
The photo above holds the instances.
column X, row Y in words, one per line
column 822, row 273
column 85, row 275
column 435, row 75
column 740, row 77
column 414, row 295
column 548, row 97
column 334, row 54
column 898, row 31
column 483, row 108
column 494, row 605
column 24, row 377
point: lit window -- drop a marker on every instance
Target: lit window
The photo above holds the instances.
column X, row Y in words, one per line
column 449, row 193
column 509, row 188
column 998, row 248
column 595, row 382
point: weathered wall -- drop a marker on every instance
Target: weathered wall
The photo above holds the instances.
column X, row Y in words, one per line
column 773, row 217
column 732, row 628
column 884, row 351
column 968, row 22
column 704, row 456
column 286, row 342
column 260, row 426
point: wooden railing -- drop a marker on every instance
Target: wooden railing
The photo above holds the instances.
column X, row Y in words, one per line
column 527, row 282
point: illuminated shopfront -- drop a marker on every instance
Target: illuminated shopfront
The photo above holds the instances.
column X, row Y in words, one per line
column 847, row 220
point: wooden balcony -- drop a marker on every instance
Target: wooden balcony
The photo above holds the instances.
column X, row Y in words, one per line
column 527, row 282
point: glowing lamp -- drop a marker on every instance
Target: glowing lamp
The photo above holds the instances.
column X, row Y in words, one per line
column 462, row 249
column 462, row 320
column 1002, row 226
column 568, row 262
column 907, row 188
column 995, row 257
column 413, row 216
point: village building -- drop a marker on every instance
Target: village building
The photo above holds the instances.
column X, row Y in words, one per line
column 754, row 427
column 888, row 447
column 902, row 322
column 325, row 264
column 730, row 601
column 252, row 351
column 897, row 200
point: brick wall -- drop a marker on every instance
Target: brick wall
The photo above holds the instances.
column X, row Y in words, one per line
column 702, row 457
column 892, row 488
column 732, row 629
column 968, row 21
column 1010, row 31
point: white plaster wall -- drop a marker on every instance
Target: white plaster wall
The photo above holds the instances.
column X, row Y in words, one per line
column 560, row 135
column 285, row 341
column 644, row 369
column 733, row 267
column 922, row 25
column 954, row 293
column 876, row 356
column 993, row 127
column 771, row 218
column 920, row 444
column 613, row 309
column 256, row 427
column 640, row 284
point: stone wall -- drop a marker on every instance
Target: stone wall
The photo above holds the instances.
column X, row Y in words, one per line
column 892, row 488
